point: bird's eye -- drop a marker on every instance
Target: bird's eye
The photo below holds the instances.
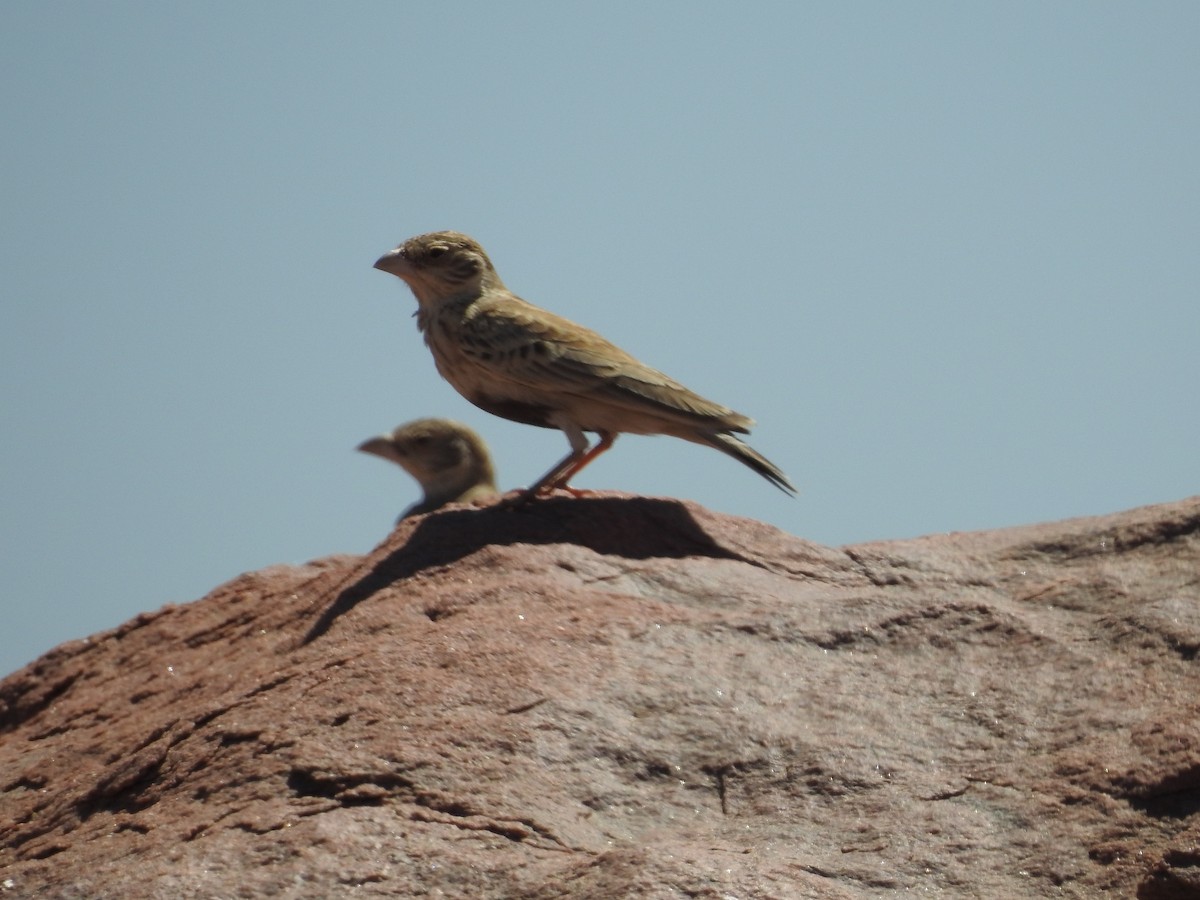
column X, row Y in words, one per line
column 436, row 251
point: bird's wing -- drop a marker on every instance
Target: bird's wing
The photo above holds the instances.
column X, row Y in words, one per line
column 544, row 352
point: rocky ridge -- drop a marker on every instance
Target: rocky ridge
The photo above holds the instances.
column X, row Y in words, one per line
column 632, row 697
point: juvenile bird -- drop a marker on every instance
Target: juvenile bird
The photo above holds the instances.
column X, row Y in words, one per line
column 450, row 461
column 520, row 362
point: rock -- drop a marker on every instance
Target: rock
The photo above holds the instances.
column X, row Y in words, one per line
column 629, row 697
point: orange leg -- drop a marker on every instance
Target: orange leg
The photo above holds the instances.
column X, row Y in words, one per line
column 605, row 442
column 567, row 468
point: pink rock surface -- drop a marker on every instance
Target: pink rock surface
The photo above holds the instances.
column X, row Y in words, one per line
column 621, row 696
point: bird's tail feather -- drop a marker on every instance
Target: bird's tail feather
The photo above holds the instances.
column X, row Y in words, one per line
column 747, row 455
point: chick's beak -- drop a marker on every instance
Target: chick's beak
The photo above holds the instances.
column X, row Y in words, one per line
column 380, row 446
column 394, row 262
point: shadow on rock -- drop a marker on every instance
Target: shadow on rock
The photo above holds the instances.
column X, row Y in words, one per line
column 633, row 527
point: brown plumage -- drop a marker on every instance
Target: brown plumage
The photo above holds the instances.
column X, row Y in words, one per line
column 450, row 461
column 520, row 362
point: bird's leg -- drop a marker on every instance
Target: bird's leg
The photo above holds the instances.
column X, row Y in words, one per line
column 606, row 441
column 569, row 466
column 579, row 447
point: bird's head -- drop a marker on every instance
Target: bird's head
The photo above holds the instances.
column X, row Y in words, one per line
column 440, row 266
column 423, row 444
column 447, row 458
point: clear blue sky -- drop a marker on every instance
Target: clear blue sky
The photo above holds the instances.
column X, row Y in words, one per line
column 946, row 254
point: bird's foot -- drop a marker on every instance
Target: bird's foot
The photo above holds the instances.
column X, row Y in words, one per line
column 515, row 499
column 577, row 492
column 518, row 498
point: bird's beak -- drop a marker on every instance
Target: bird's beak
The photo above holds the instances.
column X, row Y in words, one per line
column 380, row 446
column 394, row 262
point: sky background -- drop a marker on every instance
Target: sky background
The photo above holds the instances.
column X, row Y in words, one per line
column 946, row 254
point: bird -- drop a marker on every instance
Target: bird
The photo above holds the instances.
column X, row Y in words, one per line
column 449, row 460
column 524, row 363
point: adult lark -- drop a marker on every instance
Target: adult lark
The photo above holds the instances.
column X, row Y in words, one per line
column 520, row 362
